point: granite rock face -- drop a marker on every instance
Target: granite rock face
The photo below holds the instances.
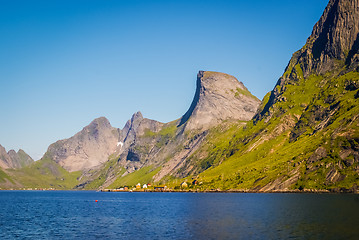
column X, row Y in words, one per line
column 333, row 45
column 218, row 97
column 87, row 149
column 334, row 37
column 92, row 146
column 132, row 155
column 137, row 126
column 13, row 159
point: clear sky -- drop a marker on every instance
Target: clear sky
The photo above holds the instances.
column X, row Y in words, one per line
column 65, row 62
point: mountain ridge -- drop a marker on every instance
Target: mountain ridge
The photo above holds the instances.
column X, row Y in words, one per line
column 88, row 148
column 13, row 159
column 304, row 135
column 333, row 44
column 148, row 143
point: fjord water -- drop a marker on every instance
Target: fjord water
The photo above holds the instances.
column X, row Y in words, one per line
column 77, row 215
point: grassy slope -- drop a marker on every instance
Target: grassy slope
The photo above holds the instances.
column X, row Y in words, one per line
column 45, row 173
column 4, row 177
column 258, row 154
column 166, row 134
column 25, row 159
column 143, row 175
column 100, row 177
column 216, row 147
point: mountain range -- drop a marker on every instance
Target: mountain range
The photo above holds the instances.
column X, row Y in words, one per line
column 303, row 135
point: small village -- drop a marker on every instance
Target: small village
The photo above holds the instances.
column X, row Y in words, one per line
column 184, row 187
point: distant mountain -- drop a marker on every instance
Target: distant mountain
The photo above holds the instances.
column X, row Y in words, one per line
column 14, row 159
column 157, row 150
column 303, row 135
column 87, row 149
column 105, row 155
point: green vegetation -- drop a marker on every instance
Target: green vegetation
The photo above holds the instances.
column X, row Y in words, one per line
column 247, row 93
column 45, row 173
column 308, row 139
column 168, row 131
column 166, row 134
column 319, row 112
column 143, row 175
column 149, row 133
column 110, row 167
column 24, row 158
column 4, row 177
column 216, row 147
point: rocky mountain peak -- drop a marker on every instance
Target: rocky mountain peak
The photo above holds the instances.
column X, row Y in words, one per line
column 137, row 116
column 210, row 79
column 5, row 161
column 13, row 159
column 100, row 122
column 332, row 46
column 96, row 126
column 334, row 37
column 131, row 124
column 337, row 30
column 88, row 148
column 218, row 97
column 136, row 126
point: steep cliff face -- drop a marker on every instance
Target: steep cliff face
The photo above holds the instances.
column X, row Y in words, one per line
column 136, row 149
column 306, row 132
column 14, row 159
column 87, row 149
column 218, row 97
column 334, row 37
column 159, row 150
column 332, row 47
column 137, row 126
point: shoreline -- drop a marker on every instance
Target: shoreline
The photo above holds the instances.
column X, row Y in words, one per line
column 334, row 191
column 314, row 191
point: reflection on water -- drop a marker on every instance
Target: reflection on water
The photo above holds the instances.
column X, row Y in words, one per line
column 76, row 215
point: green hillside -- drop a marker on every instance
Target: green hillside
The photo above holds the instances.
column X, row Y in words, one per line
column 45, row 173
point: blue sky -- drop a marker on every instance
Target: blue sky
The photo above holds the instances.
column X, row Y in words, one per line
column 64, row 63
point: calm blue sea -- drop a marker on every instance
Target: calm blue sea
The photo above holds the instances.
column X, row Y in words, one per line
column 76, row 215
